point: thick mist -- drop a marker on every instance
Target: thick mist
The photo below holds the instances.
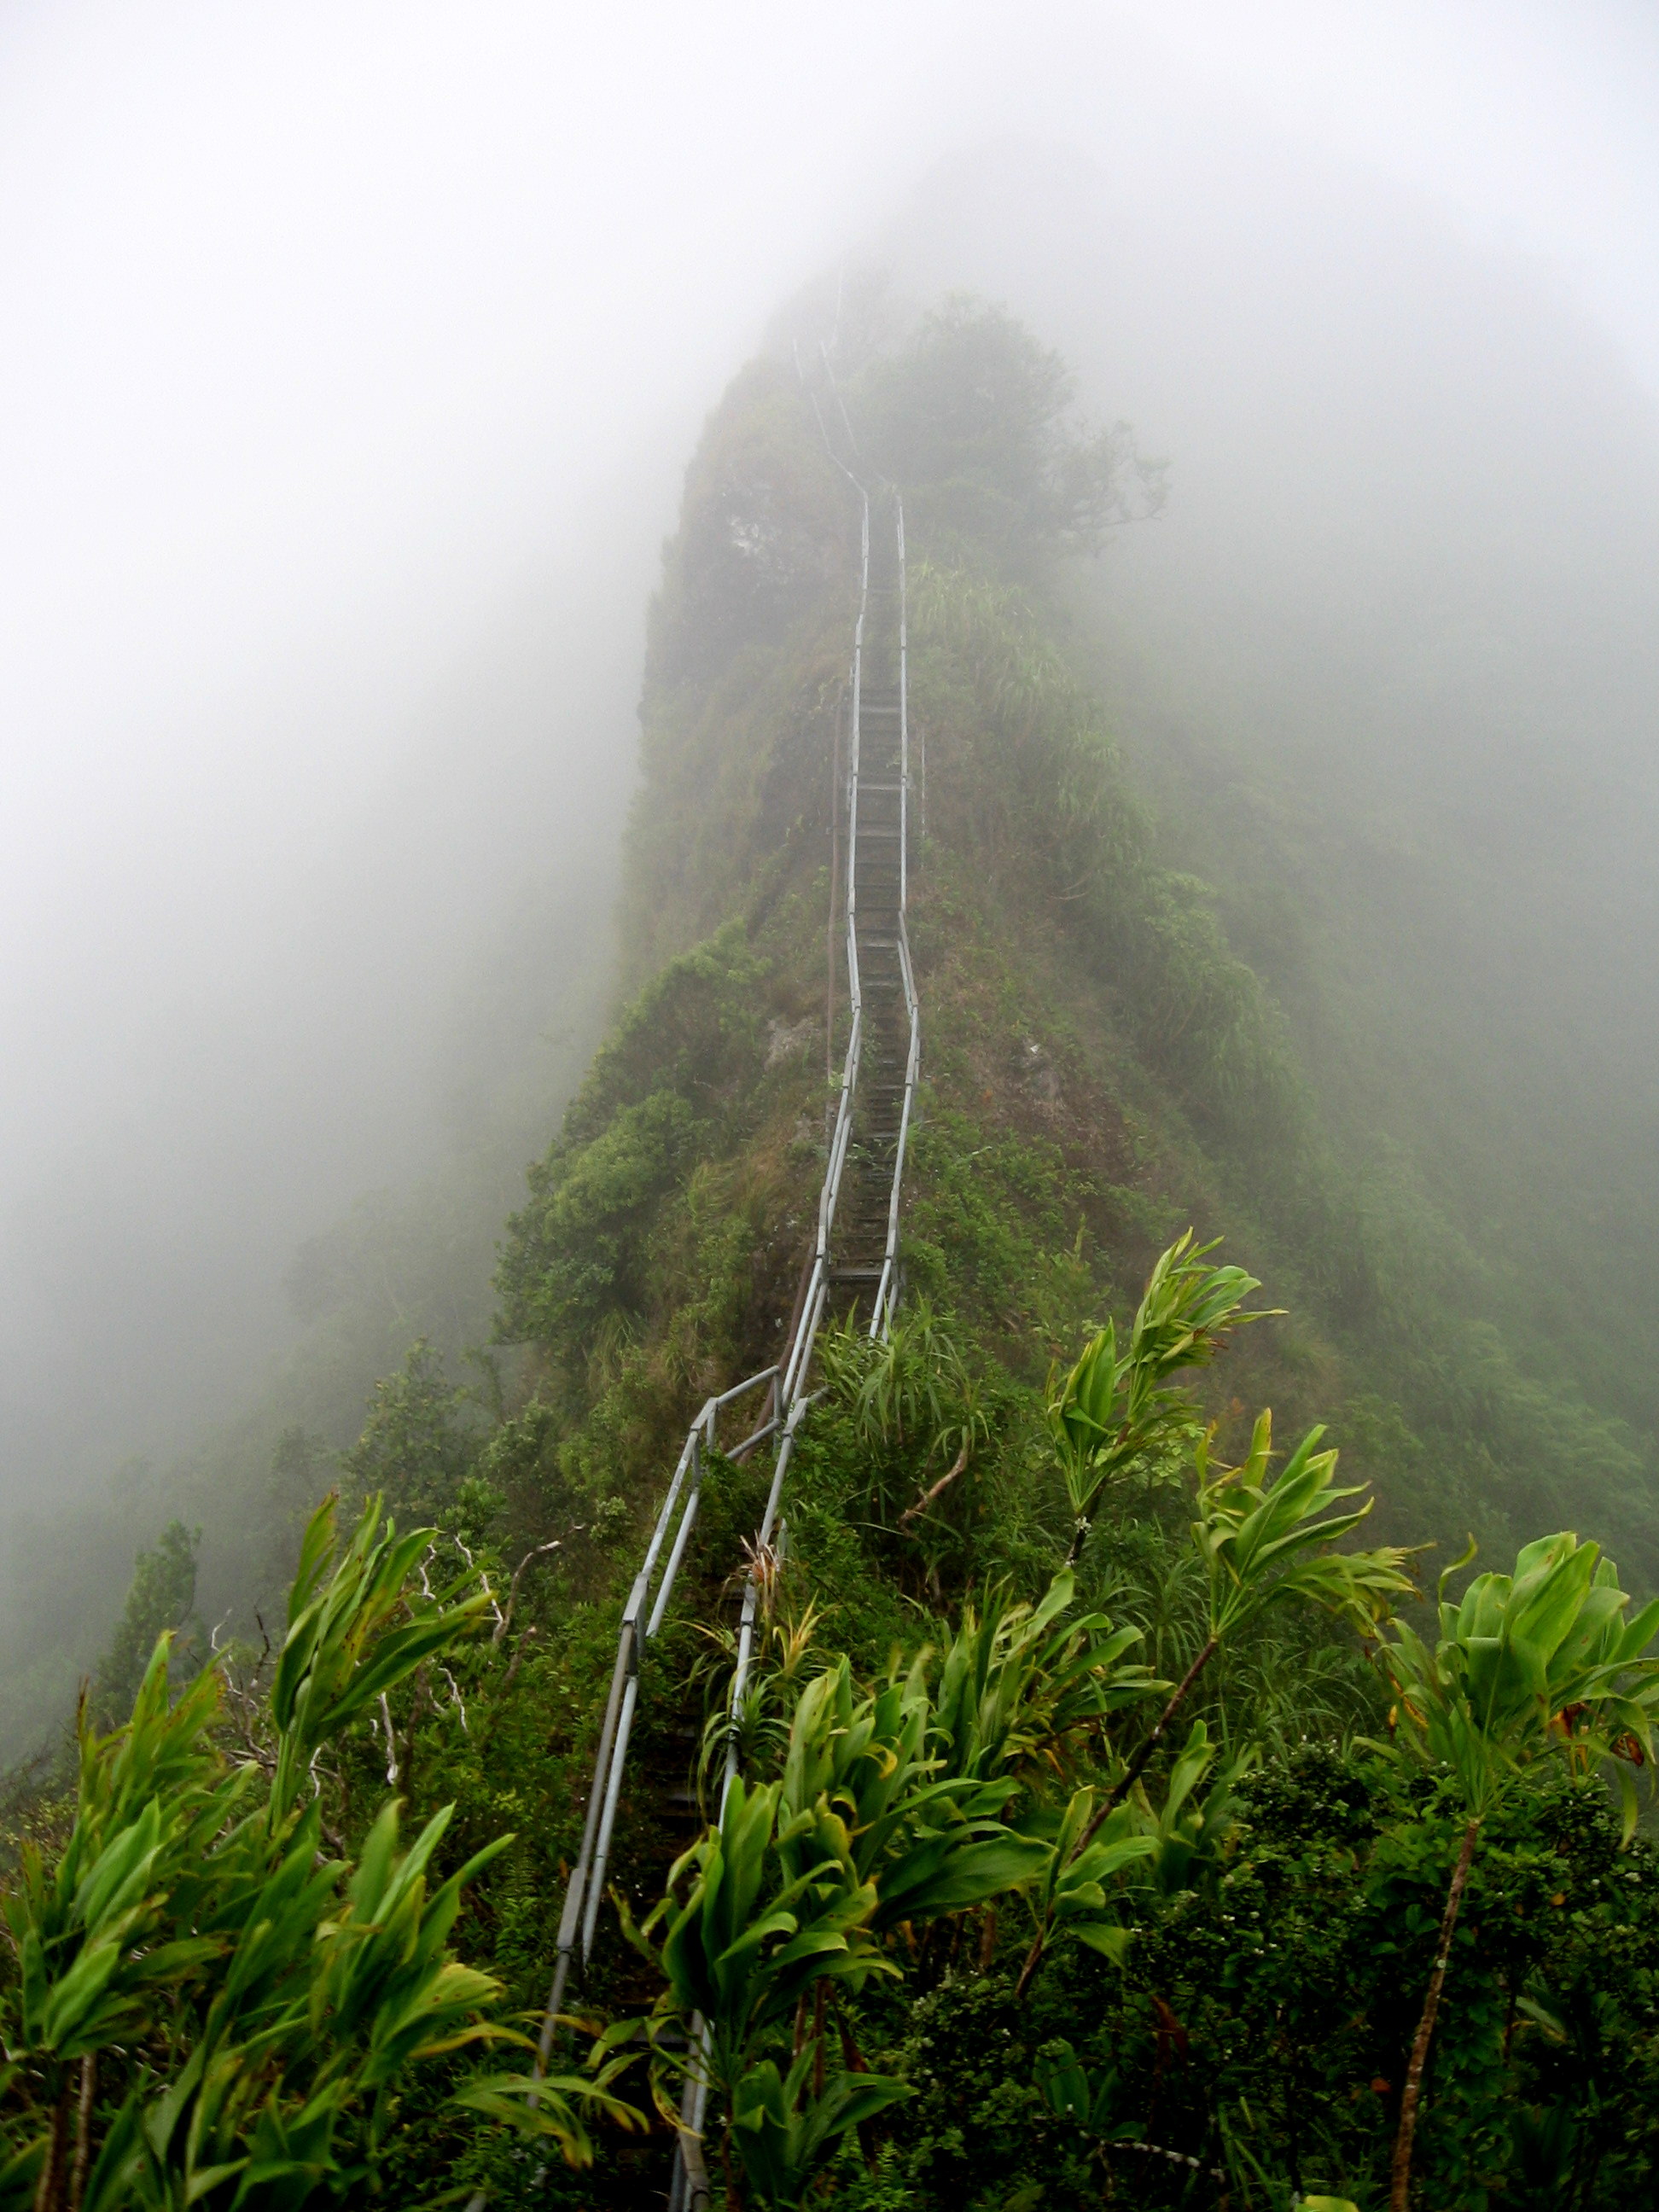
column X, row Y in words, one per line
column 348, row 366
column 1389, row 668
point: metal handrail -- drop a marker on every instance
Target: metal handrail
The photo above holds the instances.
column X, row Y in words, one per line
column 586, row 1884
column 817, row 1292
column 887, row 1288
column 789, row 1399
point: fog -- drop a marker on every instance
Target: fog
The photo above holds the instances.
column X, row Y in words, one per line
column 1389, row 664
column 350, row 362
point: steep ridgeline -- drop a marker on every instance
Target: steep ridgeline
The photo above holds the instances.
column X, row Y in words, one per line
column 746, row 1174
column 783, row 1304
column 1101, row 1070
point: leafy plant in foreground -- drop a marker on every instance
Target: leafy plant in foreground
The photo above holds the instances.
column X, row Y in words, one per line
column 891, row 1811
column 1020, row 1687
column 1263, row 1542
column 1113, row 1409
column 211, row 2009
column 1532, row 1664
column 758, row 1931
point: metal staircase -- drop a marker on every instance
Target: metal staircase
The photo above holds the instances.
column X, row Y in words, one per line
column 854, row 1266
column 865, row 1260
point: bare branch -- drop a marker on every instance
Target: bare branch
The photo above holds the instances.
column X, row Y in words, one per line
column 504, row 1620
column 455, row 1693
column 928, row 1496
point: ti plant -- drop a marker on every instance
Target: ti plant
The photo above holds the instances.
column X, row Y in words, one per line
column 889, row 1812
column 931, row 1840
column 1114, row 1409
column 1071, row 1898
column 1534, row 1664
column 356, row 1628
column 761, row 1917
column 211, row 2010
column 1019, row 1688
column 1263, row 1542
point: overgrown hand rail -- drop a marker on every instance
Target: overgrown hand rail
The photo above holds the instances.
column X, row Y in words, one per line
column 788, row 1398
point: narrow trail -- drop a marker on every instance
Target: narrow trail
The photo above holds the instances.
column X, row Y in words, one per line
column 854, row 1266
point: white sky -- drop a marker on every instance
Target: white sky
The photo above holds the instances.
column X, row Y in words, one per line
column 322, row 326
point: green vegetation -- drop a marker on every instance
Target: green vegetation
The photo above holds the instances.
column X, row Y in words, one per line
column 207, row 2008
column 1109, row 1826
column 161, row 1602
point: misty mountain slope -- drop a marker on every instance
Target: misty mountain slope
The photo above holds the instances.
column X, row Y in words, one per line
column 1052, row 936
column 1101, row 1068
column 411, row 1260
column 1386, row 671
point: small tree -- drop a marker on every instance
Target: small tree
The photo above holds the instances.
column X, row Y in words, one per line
column 421, row 1439
column 160, row 1601
column 1112, row 1409
column 1263, row 1542
column 1532, row 1665
column 975, row 406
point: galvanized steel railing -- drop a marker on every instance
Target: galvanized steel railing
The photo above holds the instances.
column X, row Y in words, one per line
column 587, row 1885
column 788, row 1400
column 887, row 1289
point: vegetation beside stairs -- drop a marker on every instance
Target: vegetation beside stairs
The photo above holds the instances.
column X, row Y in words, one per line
column 1117, row 1822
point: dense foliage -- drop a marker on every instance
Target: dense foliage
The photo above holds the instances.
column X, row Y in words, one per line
column 209, row 2008
column 1109, row 1825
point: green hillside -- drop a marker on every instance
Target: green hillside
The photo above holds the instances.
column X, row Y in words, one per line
column 1030, row 1943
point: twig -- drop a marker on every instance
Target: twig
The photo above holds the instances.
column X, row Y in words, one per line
column 1132, row 1773
column 928, row 1496
column 504, row 1620
column 50, row 2189
column 84, row 2129
column 515, row 1662
column 1400, row 2171
column 455, row 1693
column 1175, row 2157
column 1118, row 1790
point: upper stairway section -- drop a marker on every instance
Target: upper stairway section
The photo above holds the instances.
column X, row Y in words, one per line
column 864, row 1266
